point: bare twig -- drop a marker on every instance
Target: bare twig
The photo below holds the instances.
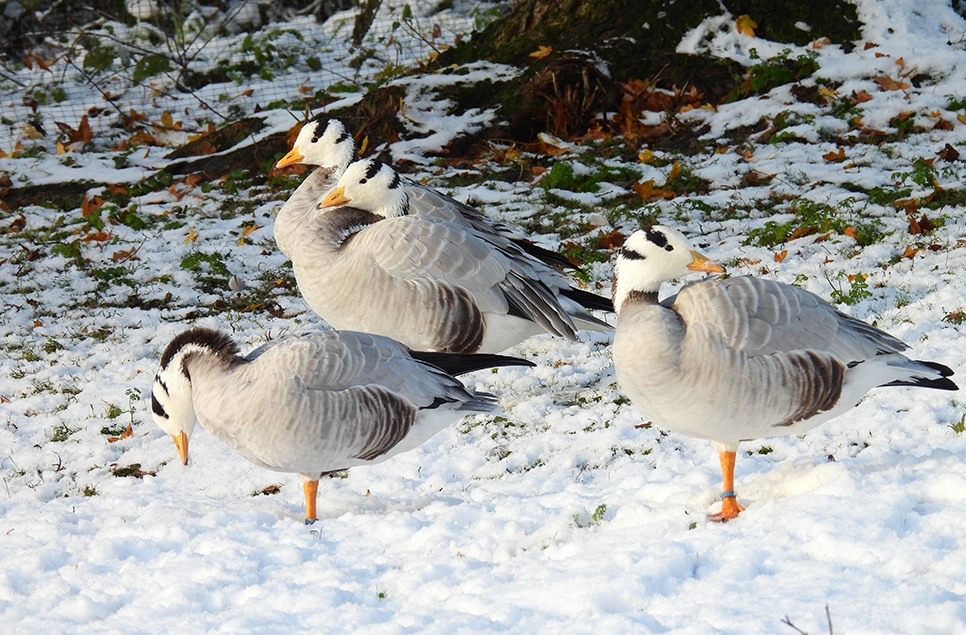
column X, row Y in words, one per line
column 789, row 622
column 91, row 81
column 828, row 616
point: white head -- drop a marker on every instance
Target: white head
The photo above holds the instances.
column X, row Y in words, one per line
column 371, row 186
column 171, row 402
column 654, row 255
column 324, row 142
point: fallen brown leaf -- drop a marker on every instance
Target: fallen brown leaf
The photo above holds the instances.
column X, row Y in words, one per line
column 128, row 432
column 887, row 83
column 82, row 134
column 18, row 223
column 781, row 255
column 646, row 190
column 948, row 153
column 754, row 178
column 124, row 255
column 746, row 25
column 835, row 156
column 542, row 52
column 611, row 240
column 89, row 206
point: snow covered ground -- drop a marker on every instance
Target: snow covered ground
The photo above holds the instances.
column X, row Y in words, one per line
column 561, row 516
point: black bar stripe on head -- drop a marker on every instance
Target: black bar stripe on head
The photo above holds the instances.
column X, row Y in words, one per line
column 164, row 386
column 630, row 254
column 656, row 237
column 321, row 123
column 373, row 169
column 395, row 180
column 342, row 136
column 157, row 408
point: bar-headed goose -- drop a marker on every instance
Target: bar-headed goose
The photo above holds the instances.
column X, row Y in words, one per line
column 315, row 402
column 325, row 142
column 742, row 358
column 363, row 262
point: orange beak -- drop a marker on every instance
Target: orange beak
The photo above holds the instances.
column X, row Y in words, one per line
column 181, row 442
column 701, row 262
column 337, row 197
column 291, row 158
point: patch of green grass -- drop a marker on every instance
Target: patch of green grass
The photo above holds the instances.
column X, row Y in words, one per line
column 113, row 430
column 113, row 411
column 922, row 174
column 132, row 470
column 858, row 289
column 775, row 71
column 765, row 449
column 955, row 103
column 62, row 432
column 89, row 491
column 209, row 270
column 562, row 176
column 598, row 514
column 960, row 426
column 108, row 276
column 788, row 119
column 687, row 182
column 40, row 386
column 955, row 317
column 71, row 251
column 158, row 181
column 944, row 198
column 888, row 196
column 52, row 346
column 810, row 218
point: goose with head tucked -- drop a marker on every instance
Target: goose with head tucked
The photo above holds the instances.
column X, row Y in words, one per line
column 737, row 359
column 315, row 402
column 363, row 262
column 326, row 143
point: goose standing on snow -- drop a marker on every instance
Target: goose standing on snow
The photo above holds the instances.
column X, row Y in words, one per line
column 316, row 402
column 743, row 358
column 326, row 143
column 364, row 263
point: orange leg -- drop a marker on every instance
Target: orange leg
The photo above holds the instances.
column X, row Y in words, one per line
column 311, row 490
column 729, row 504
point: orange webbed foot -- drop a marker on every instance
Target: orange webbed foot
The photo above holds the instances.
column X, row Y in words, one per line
column 729, row 509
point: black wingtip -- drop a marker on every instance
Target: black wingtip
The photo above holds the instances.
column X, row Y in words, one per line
column 945, row 371
column 461, row 363
column 939, row 384
column 942, row 383
column 549, row 257
column 589, row 300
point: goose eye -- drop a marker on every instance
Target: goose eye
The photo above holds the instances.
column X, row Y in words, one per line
column 363, row 181
column 668, row 248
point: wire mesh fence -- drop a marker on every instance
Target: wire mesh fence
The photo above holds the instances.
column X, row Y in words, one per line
column 159, row 73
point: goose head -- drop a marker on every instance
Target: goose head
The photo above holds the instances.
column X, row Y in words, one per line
column 371, row 186
column 652, row 256
column 171, row 401
column 324, row 142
